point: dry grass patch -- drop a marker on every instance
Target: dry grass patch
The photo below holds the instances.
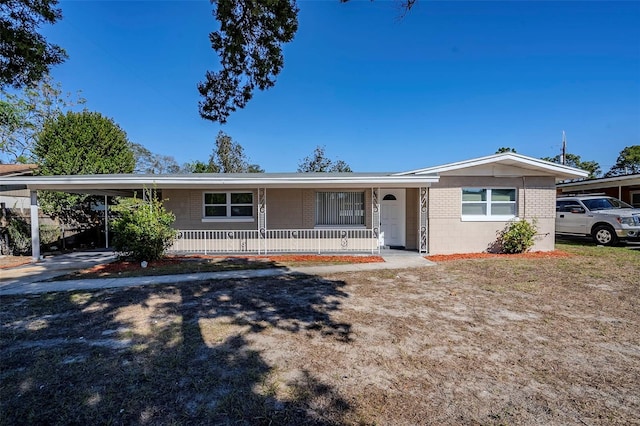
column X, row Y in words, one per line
column 484, row 341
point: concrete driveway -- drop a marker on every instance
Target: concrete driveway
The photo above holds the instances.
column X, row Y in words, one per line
column 53, row 266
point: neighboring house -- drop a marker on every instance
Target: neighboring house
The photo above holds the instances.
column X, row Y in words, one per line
column 625, row 188
column 454, row 208
column 15, row 196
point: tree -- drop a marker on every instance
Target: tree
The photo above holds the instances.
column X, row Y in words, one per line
column 149, row 163
column 25, row 55
column 22, row 117
column 80, row 143
column 227, row 157
column 249, row 46
column 573, row 160
column 505, row 149
column 196, row 166
column 628, row 162
column 318, row 162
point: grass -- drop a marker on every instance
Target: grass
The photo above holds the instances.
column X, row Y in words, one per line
column 469, row 341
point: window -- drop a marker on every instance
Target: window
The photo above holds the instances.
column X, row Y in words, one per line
column 228, row 205
column 339, row 208
column 567, row 206
column 488, row 203
column 635, row 199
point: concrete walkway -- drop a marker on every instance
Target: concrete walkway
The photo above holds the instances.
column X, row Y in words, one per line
column 31, row 279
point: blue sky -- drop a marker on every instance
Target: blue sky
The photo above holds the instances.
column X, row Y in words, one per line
column 451, row 81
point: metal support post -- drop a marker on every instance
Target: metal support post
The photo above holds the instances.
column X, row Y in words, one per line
column 423, row 225
column 35, row 227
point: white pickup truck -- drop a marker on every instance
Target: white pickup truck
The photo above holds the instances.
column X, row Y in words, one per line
column 606, row 219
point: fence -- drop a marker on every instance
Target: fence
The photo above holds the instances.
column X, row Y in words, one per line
column 276, row 241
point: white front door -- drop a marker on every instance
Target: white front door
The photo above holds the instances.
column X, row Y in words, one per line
column 392, row 216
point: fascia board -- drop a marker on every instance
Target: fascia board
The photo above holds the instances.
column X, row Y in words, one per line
column 509, row 159
column 129, row 182
column 605, row 182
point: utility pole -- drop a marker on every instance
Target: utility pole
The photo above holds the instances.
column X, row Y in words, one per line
column 564, row 149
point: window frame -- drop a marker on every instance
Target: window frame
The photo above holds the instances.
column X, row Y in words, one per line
column 228, row 206
column 488, row 217
column 338, row 213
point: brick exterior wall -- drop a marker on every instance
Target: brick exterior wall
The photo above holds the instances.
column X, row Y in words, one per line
column 449, row 234
column 286, row 209
column 295, row 209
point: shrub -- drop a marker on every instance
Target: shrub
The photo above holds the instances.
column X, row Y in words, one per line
column 143, row 228
column 20, row 235
column 518, row 237
column 49, row 234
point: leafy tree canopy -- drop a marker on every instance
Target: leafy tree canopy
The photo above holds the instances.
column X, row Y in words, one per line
column 573, row 160
column 318, row 162
column 628, row 162
column 505, row 149
column 22, row 117
column 249, row 46
column 227, row 157
column 25, row 55
column 196, row 166
column 80, row 143
column 152, row 164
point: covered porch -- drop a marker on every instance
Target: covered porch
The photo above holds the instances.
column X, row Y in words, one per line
column 272, row 213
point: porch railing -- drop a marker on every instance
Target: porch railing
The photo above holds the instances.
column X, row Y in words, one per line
column 276, row 241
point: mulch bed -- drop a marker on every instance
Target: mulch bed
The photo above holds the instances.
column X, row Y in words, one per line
column 126, row 266
column 529, row 255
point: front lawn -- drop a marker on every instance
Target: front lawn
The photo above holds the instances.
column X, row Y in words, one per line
column 472, row 341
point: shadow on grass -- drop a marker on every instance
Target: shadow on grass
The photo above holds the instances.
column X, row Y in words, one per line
column 186, row 354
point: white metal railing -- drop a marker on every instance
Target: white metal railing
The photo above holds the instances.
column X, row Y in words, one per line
column 276, row 241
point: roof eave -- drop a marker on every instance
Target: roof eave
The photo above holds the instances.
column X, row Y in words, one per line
column 174, row 182
column 560, row 171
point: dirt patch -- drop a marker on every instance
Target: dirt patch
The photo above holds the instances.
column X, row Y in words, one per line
column 13, row 261
column 476, row 341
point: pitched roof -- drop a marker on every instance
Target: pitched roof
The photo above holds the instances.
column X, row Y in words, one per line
column 16, row 169
column 543, row 167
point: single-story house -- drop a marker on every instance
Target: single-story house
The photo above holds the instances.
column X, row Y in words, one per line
column 625, row 188
column 454, row 208
column 15, row 196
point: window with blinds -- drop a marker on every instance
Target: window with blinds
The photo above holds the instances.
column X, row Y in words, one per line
column 340, row 208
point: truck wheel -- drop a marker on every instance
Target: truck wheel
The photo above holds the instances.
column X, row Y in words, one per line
column 604, row 235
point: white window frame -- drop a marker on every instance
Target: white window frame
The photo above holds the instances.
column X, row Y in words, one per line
column 488, row 217
column 342, row 213
column 228, row 205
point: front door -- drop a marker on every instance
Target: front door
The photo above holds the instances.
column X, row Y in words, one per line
column 392, row 217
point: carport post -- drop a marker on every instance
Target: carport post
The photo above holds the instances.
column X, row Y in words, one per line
column 35, row 228
column 106, row 223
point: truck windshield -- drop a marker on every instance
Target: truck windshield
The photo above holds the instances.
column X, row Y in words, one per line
column 605, row 204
